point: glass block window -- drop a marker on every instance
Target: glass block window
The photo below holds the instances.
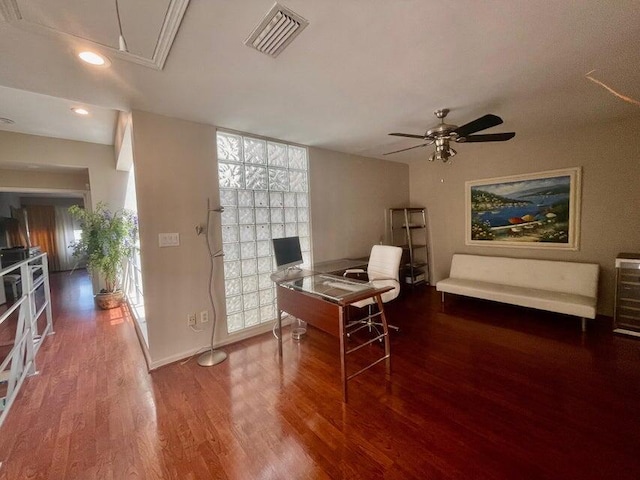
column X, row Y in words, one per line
column 264, row 189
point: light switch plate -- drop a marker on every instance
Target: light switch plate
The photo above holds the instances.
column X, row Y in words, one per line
column 169, row 239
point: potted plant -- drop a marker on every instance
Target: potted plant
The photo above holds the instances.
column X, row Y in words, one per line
column 107, row 241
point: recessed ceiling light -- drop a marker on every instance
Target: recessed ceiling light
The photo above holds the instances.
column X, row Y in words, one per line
column 6, row 121
column 93, row 58
column 80, row 111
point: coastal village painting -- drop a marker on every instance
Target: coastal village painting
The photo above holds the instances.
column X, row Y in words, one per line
column 538, row 210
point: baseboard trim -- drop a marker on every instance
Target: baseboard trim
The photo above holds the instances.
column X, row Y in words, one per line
column 235, row 338
column 141, row 341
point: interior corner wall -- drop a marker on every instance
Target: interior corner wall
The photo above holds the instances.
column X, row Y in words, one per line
column 124, row 119
column 107, row 184
column 122, row 142
column 350, row 198
column 609, row 155
column 175, row 172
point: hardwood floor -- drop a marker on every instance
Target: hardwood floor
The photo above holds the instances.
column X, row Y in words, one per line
column 478, row 391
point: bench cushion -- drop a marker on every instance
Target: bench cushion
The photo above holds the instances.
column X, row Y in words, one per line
column 556, row 276
column 560, row 302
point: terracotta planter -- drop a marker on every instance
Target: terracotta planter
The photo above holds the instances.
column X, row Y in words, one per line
column 109, row 300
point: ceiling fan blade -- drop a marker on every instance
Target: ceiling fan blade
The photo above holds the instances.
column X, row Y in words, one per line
column 410, row 135
column 410, row 148
column 491, row 137
column 478, row 124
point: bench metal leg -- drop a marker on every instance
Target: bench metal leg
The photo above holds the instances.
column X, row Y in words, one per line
column 584, row 324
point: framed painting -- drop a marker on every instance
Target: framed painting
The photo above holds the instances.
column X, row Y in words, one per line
column 537, row 210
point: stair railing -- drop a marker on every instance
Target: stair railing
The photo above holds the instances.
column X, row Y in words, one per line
column 20, row 361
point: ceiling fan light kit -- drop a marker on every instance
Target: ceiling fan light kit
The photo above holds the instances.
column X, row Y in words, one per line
column 443, row 134
column 443, row 151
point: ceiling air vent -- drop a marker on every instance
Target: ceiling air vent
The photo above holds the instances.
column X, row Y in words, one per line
column 276, row 30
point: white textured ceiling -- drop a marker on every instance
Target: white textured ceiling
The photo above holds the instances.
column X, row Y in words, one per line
column 362, row 69
column 52, row 117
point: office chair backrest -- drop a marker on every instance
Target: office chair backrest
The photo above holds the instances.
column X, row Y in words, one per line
column 384, row 268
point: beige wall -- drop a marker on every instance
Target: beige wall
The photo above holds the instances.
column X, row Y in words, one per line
column 34, row 179
column 349, row 199
column 610, row 157
column 107, row 184
column 122, row 142
column 176, row 171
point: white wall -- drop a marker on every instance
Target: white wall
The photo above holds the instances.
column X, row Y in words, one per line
column 610, row 157
column 176, row 171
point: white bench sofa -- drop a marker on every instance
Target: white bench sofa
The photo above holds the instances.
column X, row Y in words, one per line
column 563, row 287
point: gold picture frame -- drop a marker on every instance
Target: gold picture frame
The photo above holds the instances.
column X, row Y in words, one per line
column 534, row 210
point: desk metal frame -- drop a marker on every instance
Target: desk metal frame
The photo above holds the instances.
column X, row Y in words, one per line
column 332, row 318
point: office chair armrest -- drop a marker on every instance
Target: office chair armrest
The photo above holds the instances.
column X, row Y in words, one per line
column 386, row 279
column 354, row 271
column 385, row 282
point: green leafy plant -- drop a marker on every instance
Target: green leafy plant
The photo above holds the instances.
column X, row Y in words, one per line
column 108, row 239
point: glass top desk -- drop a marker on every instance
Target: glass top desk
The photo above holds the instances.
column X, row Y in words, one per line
column 340, row 265
column 323, row 300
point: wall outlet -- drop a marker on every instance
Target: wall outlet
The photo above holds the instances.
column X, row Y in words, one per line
column 169, row 239
column 204, row 316
column 191, row 320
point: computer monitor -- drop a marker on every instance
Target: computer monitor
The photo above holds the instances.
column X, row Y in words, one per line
column 287, row 252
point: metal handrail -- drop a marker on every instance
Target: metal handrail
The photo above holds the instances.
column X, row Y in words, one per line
column 21, row 358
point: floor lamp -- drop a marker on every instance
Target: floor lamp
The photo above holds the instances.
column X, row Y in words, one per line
column 212, row 356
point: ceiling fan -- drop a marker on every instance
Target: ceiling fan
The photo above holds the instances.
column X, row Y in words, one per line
column 443, row 133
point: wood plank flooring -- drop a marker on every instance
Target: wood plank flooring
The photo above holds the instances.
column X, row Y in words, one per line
column 478, row 391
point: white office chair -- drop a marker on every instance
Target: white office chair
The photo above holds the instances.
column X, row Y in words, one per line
column 383, row 270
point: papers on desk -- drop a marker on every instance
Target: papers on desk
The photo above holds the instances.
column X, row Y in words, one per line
column 329, row 286
column 346, row 286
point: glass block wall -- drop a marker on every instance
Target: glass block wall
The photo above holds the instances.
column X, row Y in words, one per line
column 265, row 195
